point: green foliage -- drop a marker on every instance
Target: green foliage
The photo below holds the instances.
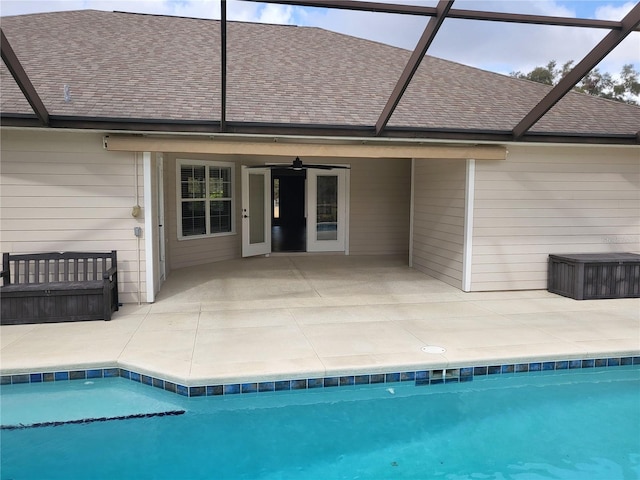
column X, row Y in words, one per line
column 623, row 88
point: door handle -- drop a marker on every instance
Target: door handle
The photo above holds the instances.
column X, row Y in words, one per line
column 245, row 216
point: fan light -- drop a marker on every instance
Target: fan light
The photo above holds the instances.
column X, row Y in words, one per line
column 297, row 164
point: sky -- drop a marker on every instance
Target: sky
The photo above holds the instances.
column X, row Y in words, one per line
column 498, row 47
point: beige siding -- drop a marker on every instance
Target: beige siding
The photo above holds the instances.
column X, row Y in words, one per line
column 438, row 229
column 62, row 191
column 379, row 206
column 197, row 251
column 544, row 200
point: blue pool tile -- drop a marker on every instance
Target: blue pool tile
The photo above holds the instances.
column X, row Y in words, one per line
column 361, row 379
column 508, row 368
column 539, row 366
column 626, row 361
column 436, row 381
column 300, row 384
column 392, row 377
column 214, row 390
column 266, row 386
column 170, row 387
column 125, row 374
column 613, row 362
column 480, row 370
column 315, row 382
column 407, row 376
column 95, row 373
column 61, row 376
column 35, row 378
column 197, row 391
column 422, row 381
column 331, row 381
column 422, row 375
column 158, row 383
column 48, row 377
column 146, row 379
column 562, row 365
column 232, row 389
column 283, row 385
column 521, row 367
column 377, row 378
column 601, row 362
column 547, row 366
column 136, row 377
column 494, row 369
column 15, row 379
column 636, row 360
column 111, row 372
column 588, row 363
column 182, row 390
column 5, row 380
column 78, row 375
column 575, row 364
column 347, row 380
column 466, row 372
column 249, row 388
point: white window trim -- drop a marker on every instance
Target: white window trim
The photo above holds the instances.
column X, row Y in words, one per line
column 207, row 163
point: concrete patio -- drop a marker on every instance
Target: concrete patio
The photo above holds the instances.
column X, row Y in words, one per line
column 288, row 317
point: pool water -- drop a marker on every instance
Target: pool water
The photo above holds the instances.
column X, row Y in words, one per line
column 564, row 425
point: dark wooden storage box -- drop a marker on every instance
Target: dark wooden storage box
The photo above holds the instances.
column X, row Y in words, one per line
column 588, row 276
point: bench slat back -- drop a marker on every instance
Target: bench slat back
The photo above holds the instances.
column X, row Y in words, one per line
column 58, row 266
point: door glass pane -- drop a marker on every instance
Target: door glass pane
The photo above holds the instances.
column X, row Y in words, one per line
column 327, row 209
column 256, row 209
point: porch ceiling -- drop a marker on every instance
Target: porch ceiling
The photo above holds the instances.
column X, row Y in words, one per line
column 520, row 132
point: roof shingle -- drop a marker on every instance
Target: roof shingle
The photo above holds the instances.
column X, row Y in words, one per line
column 122, row 65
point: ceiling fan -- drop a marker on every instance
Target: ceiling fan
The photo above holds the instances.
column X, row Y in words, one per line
column 298, row 165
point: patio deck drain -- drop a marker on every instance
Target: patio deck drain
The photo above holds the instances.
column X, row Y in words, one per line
column 433, row 349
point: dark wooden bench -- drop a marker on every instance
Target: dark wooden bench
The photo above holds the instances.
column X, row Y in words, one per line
column 58, row 287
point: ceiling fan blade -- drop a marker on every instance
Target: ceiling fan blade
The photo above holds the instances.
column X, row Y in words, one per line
column 327, row 167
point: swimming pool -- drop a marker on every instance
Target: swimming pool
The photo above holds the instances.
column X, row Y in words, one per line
column 579, row 424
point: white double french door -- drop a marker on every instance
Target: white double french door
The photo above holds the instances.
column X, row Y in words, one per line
column 326, row 210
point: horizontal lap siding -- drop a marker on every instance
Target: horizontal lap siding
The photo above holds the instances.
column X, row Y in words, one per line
column 438, row 229
column 62, row 191
column 380, row 194
column 545, row 200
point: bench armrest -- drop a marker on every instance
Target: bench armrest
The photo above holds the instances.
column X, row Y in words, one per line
column 109, row 273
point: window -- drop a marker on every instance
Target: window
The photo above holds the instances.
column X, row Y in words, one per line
column 205, row 198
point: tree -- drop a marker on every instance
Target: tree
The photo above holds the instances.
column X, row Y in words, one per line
column 623, row 88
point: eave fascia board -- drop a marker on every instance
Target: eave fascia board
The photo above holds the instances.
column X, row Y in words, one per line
column 274, row 130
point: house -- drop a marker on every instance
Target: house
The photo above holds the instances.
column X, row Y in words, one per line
column 132, row 149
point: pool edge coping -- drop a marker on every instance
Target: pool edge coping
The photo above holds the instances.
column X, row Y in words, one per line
column 420, row 377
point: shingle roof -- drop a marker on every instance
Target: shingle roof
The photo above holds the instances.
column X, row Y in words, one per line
column 157, row 67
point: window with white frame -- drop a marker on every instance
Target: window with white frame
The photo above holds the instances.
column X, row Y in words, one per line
column 205, row 198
